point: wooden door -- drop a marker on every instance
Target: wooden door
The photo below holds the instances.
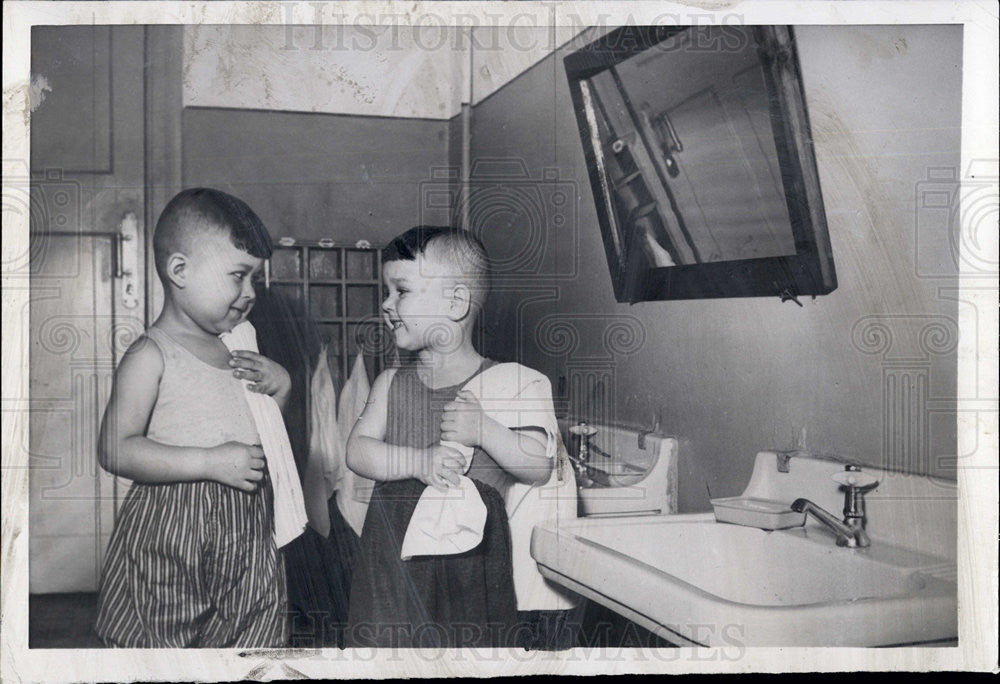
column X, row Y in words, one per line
column 86, row 305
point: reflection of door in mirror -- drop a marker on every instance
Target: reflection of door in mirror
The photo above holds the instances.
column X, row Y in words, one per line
column 644, row 208
column 690, row 151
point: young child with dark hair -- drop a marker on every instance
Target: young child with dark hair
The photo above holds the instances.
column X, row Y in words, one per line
column 192, row 560
column 417, row 422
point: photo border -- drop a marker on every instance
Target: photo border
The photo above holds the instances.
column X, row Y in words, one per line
column 977, row 362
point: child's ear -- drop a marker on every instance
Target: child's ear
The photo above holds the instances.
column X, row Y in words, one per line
column 177, row 269
column 461, row 302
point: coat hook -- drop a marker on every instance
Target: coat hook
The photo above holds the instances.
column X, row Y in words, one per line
column 786, row 295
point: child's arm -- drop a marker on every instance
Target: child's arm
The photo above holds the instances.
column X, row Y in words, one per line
column 370, row 456
column 267, row 376
column 123, row 448
column 520, row 452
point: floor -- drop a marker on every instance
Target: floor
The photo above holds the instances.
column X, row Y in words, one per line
column 62, row 621
column 66, row 621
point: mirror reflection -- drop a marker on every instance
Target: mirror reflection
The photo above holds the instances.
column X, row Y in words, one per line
column 692, row 165
column 701, row 162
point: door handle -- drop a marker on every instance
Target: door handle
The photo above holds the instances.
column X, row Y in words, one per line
column 127, row 259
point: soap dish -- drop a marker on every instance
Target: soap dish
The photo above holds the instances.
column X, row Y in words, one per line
column 752, row 512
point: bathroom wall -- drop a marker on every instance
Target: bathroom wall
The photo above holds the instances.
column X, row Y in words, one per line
column 408, row 72
column 349, row 132
column 313, row 176
column 332, row 132
column 867, row 373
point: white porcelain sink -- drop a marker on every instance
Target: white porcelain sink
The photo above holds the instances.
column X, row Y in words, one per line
column 754, row 567
column 696, row 581
column 634, row 472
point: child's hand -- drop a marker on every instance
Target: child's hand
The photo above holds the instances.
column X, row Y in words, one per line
column 463, row 420
column 267, row 376
column 442, row 466
column 237, row 465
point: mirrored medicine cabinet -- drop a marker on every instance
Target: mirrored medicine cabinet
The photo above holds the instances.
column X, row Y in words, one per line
column 701, row 162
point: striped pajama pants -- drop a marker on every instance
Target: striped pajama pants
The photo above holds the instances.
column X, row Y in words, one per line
column 193, row 564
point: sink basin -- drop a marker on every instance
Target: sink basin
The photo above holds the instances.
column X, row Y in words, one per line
column 631, row 472
column 696, row 581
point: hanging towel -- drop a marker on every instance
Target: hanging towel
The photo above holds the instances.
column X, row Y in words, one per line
column 516, row 397
column 289, row 507
column 530, row 505
column 353, row 491
column 325, row 465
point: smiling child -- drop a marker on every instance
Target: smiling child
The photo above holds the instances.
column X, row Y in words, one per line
column 192, row 559
column 436, row 280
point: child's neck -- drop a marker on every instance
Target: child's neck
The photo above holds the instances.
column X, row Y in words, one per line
column 175, row 322
column 438, row 368
column 203, row 344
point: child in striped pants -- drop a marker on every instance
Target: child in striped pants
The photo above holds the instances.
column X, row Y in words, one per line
column 192, row 560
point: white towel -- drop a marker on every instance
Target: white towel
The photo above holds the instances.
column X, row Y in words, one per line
column 530, row 505
column 325, row 465
column 516, row 397
column 446, row 522
column 353, row 491
column 289, row 507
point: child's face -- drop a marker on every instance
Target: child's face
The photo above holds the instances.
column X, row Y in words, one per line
column 417, row 303
column 218, row 291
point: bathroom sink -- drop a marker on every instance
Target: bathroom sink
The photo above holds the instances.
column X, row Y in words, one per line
column 628, row 472
column 696, row 581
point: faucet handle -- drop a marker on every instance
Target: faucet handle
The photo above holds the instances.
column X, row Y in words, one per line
column 853, row 477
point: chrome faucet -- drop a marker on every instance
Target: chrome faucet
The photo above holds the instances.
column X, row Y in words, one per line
column 851, row 532
column 581, row 461
column 583, row 433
